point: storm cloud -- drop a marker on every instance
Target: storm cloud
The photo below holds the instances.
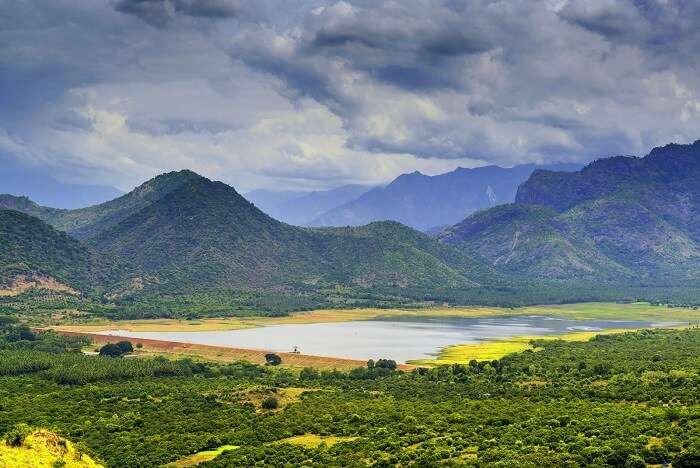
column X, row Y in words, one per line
column 310, row 94
column 160, row 12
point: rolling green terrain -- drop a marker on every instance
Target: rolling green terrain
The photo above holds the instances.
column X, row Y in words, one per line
column 621, row 220
column 616, row 400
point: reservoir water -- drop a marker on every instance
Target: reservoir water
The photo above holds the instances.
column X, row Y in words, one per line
column 398, row 338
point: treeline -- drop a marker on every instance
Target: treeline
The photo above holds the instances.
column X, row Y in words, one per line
column 40, row 306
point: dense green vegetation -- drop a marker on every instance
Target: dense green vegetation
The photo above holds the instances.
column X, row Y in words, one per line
column 46, row 308
column 50, row 307
column 617, row 400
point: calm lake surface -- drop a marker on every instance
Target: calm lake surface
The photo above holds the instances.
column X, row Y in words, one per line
column 398, row 338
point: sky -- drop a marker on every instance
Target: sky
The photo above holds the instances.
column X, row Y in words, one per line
column 291, row 94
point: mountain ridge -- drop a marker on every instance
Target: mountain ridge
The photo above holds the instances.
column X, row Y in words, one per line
column 32, row 253
column 206, row 229
column 426, row 202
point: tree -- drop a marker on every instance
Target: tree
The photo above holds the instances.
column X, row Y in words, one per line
column 20, row 333
column 309, row 373
column 126, row 347
column 687, row 459
column 273, row 359
column 635, row 461
column 386, row 364
column 116, row 350
column 6, row 320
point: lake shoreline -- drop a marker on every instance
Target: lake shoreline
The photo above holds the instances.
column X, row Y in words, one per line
column 223, row 353
column 581, row 311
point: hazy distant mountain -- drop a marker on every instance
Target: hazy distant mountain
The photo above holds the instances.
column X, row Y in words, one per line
column 300, row 208
column 48, row 191
column 621, row 218
column 426, row 202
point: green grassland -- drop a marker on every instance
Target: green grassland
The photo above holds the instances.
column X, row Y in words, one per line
column 488, row 350
column 201, row 457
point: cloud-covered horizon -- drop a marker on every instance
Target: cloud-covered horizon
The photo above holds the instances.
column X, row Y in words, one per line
column 293, row 94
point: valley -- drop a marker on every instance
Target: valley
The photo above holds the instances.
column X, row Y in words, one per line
column 349, row 234
column 356, row 335
column 180, row 324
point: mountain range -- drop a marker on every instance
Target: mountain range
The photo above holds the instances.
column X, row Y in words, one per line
column 620, row 219
column 619, row 222
column 428, row 202
column 182, row 232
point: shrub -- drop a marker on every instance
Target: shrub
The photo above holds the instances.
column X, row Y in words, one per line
column 270, row 403
column 111, row 350
column 687, row 459
column 386, row 364
column 273, row 359
column 15, row 437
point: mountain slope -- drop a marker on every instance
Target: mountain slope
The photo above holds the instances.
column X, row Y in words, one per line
column 618, row 219
column 301, row 208
column 32, row 253
column 424, row 202
column 204, row 235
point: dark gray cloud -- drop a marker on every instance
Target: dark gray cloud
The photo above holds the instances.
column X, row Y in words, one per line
column 544, row 71
column 160, row 12
column 289, row 92
column 667, row 29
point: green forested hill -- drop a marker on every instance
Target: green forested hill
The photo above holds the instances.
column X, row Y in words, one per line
column 31, row 250
column 618, row 219
column 204, row 235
